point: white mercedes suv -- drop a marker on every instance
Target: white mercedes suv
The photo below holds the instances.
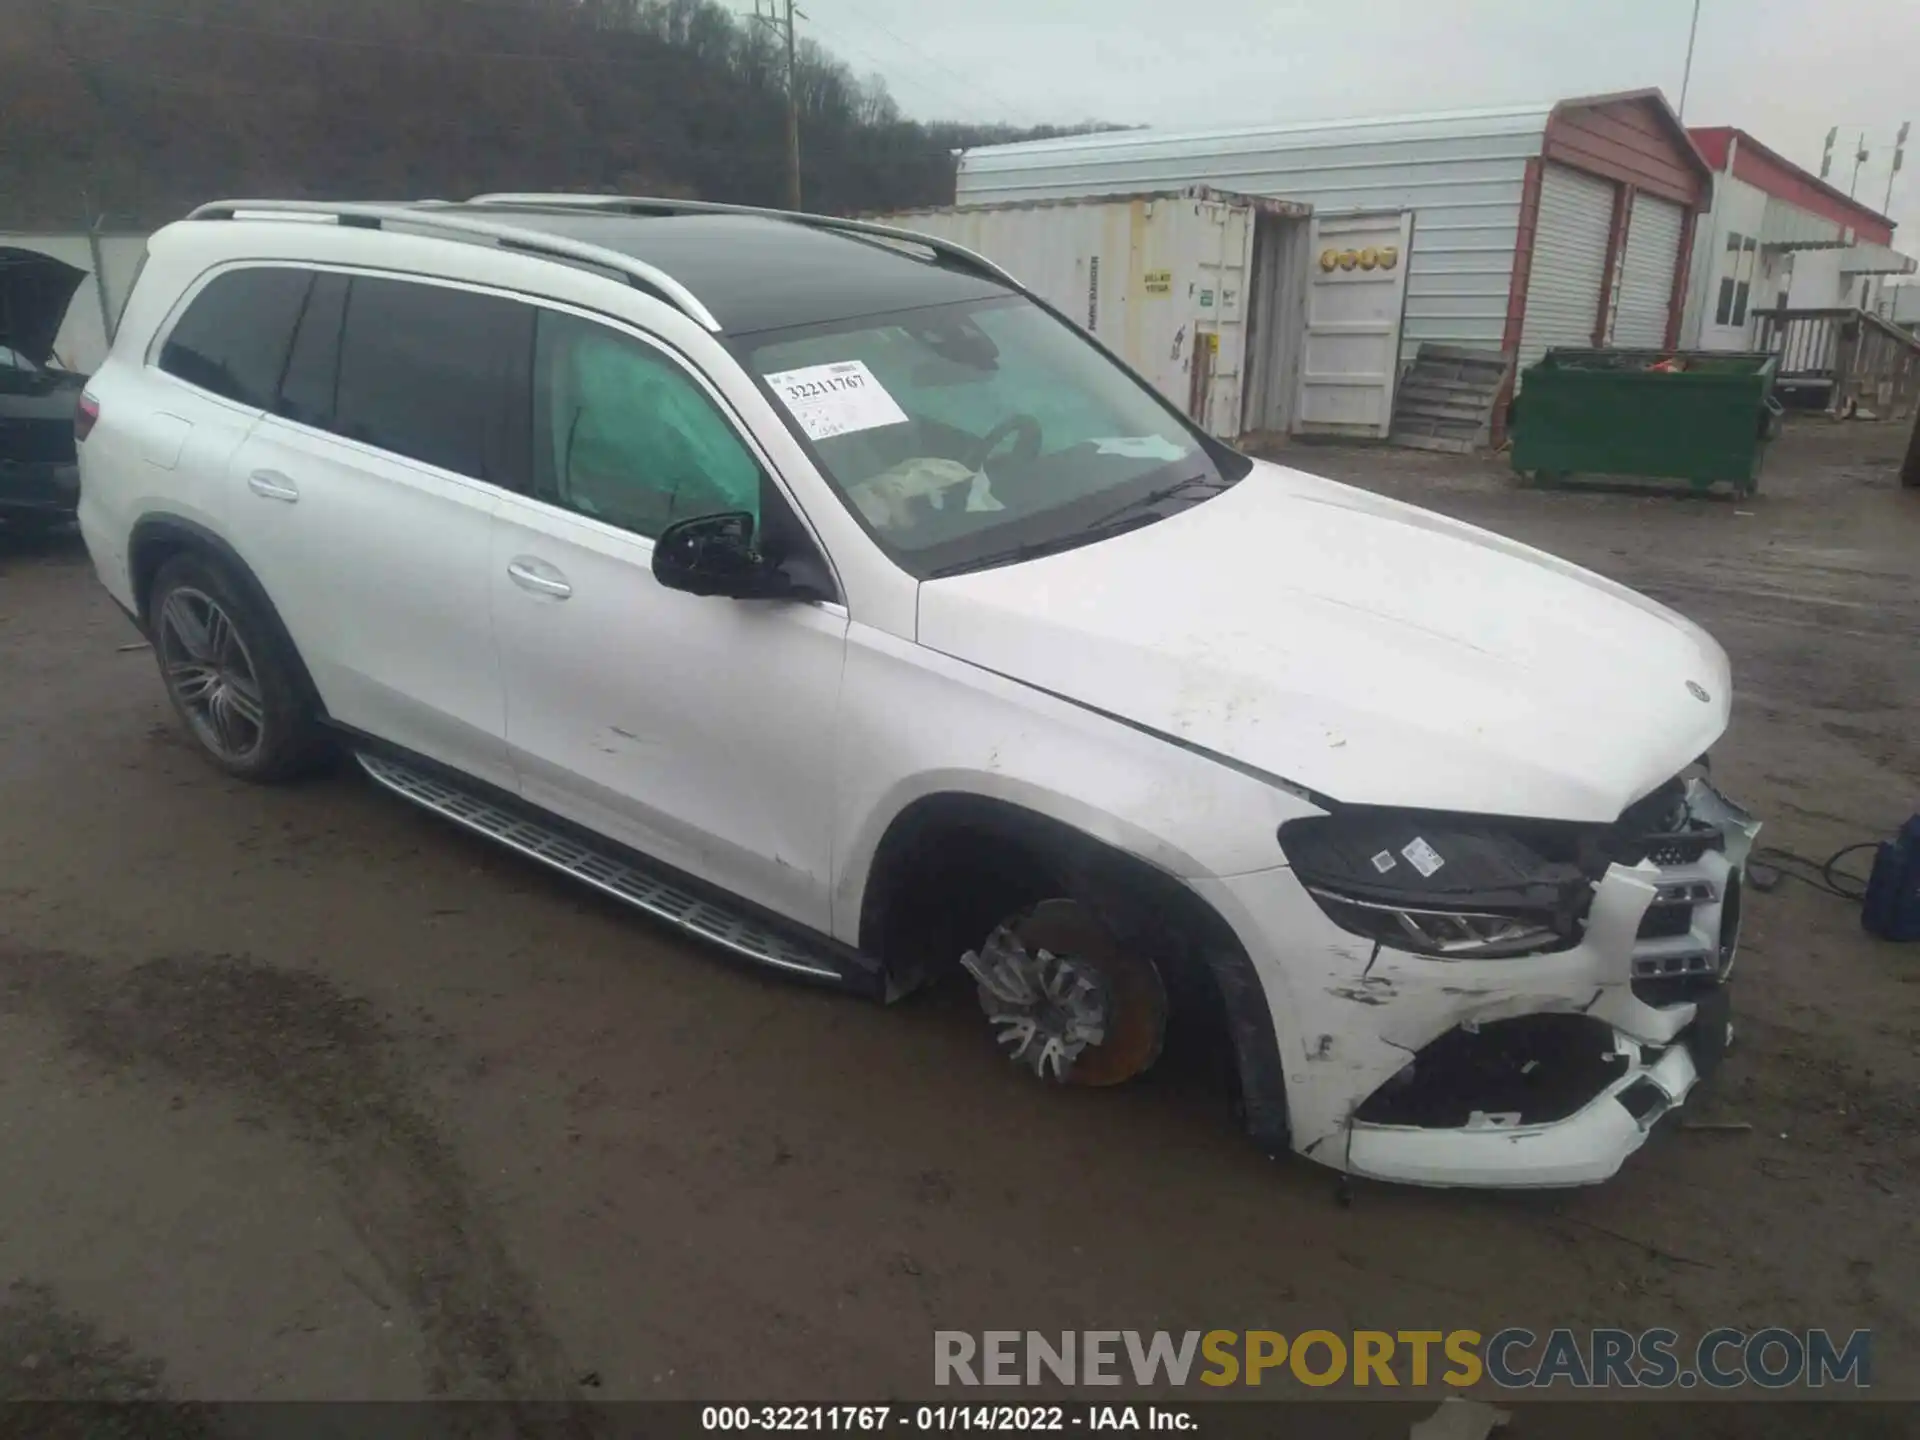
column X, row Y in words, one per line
column 815, row 588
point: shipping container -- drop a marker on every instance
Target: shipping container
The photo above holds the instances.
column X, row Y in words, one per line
column 1199, row 290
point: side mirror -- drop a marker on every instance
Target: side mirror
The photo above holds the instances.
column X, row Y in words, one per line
column 715, row 555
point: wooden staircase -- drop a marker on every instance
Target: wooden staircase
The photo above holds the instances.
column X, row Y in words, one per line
column 1846, row 359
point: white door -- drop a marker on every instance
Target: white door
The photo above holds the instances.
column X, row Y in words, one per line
column 1643, row 290
column 696, row 729
column 1356, row 297
column 366, row 507
column 1569, row 262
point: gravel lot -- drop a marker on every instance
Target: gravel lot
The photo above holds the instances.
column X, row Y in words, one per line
column 306, row 1094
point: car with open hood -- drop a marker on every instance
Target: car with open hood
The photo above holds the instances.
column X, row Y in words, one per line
column 39, row 472
column 814, row 588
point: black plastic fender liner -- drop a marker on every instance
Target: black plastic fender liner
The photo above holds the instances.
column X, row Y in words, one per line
column 1256, row 1049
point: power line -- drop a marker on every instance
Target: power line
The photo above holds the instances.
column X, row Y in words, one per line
column 877, row 66
column 973, row 82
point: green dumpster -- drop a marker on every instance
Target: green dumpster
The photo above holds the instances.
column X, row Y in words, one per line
column 1700, row 416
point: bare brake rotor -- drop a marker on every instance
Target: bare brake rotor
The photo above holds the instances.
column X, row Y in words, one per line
column 1066, row 1000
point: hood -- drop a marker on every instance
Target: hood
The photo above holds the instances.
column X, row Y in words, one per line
column 1363, row 648
column 35, row 290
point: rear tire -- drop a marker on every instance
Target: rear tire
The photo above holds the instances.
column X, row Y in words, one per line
column 231, row 674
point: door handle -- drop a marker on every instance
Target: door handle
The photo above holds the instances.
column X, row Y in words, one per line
column 538, row 577
column 273, row 485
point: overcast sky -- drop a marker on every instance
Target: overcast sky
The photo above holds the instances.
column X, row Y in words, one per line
column 1783, row 70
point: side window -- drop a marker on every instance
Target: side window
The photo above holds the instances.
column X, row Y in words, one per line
column 425, row 372
column 233, row 339
column 313, row 365
column 625, row 435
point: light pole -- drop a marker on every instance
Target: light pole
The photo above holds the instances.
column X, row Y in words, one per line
column 1899, row 154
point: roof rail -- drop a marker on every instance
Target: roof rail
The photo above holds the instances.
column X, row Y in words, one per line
column 645, row 205
column 433, row 218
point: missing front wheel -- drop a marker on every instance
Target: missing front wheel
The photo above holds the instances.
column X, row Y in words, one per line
column 1066, row 1000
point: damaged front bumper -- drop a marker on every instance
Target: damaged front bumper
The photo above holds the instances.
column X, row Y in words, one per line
column 1543, row 1070
column 1517, row 1148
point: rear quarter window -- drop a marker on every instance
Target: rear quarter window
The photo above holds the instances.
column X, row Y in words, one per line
column 233, row 338
column 435, row 374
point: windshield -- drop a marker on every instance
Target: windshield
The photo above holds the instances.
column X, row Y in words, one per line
column 982, row 432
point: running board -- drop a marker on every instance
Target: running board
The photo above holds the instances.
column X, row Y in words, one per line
column 661, row 898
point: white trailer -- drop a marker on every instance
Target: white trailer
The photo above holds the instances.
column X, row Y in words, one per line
column 1202, row 291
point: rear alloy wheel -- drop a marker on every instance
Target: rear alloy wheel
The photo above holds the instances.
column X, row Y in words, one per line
column 211, row 675
column 229, row 673
column 1066, row 999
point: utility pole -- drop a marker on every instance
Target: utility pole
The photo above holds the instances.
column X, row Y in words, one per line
column 1686, row 76
column 781, row 14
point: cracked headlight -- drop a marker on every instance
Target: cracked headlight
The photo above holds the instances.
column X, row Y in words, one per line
column 1457, row 887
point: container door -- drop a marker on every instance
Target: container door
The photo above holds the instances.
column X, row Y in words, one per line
column 1644, row 290
column 1356, row 297
column 1569, row 262
column 1274, row 316
column 1222, row 264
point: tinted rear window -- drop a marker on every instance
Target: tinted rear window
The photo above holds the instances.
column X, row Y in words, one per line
column 233, row 339
column 306, row 392
column 424, row 372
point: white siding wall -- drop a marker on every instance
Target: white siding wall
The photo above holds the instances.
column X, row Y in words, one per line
column 1738, row 209
column 1462, row 175
column 82, row 343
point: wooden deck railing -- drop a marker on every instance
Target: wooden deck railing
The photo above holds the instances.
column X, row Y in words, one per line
column 1854, row 354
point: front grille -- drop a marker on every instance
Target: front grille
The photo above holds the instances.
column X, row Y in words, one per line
column 1674, row 989
column 1686, row 936
column 1683, row 847
column 1665, row 921
column 1685, row 941
column 1699, row 963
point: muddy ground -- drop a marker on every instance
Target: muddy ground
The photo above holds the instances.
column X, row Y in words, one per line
column 305, row 1094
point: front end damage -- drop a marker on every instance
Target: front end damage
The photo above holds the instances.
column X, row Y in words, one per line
column 1529, row 1023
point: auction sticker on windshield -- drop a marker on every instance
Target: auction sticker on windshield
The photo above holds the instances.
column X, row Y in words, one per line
column 836, row 399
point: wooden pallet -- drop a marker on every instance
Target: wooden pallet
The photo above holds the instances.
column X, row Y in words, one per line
column 1446, row 399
